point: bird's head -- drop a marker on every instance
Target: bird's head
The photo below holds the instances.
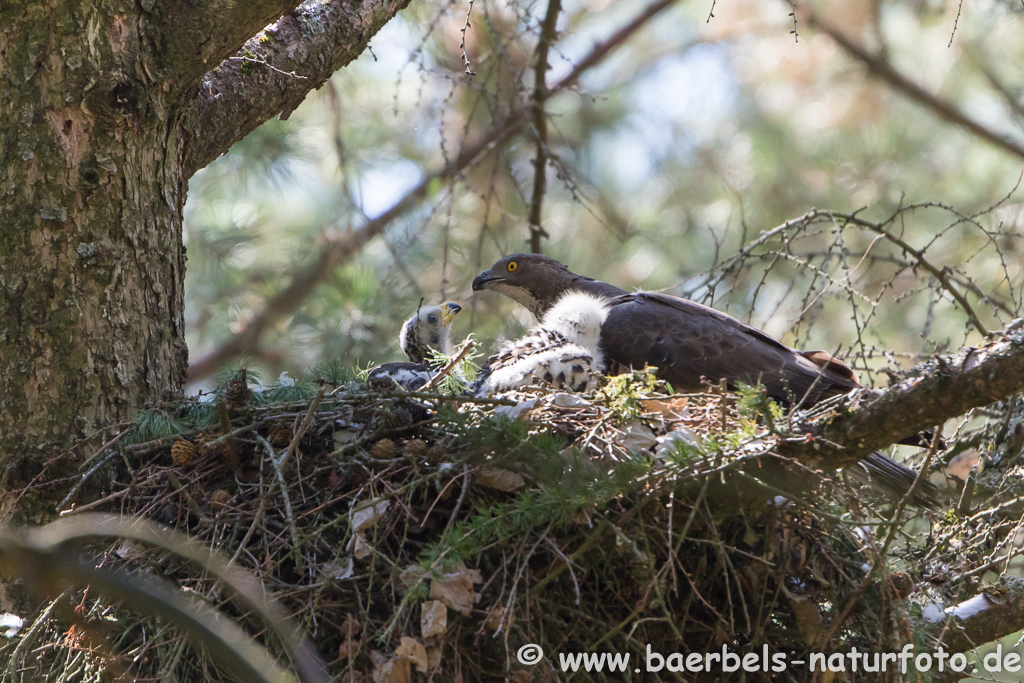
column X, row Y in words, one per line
column 430, row 328
column 533, row 280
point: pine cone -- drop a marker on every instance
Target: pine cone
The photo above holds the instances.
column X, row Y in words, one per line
column 236, row 393
column 383, row 449
column 414, row 448
column 435, row 454
column 202, row 449
column 280, row 434
column 219, row 500
column 182, row 453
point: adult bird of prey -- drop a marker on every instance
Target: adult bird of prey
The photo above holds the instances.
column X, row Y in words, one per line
column 429, row 328
column 563, row 350
column 689, row 343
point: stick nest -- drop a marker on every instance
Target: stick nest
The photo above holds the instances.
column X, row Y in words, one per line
column 430, row 537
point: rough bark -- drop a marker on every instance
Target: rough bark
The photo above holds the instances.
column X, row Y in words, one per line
column 101, row 103
column 844, row 430
column 275, row 70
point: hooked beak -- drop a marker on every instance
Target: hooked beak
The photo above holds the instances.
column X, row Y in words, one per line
column 484, row 279
column 448, row 312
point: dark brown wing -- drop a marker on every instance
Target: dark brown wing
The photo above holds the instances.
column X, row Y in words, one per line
column 687, row 342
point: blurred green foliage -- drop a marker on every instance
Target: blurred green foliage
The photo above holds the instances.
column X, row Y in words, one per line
column 671, row 155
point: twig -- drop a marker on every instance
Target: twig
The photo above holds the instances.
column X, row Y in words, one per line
column 462, row 498
column 883, row 554
column 939, row 274
column 339, row 249
column 959, row 8
column 301, row 431
column 447, row 369
column 540, row 122
column 293, row 529
column 248, row 534
column 462, row 45
column 229, row 441
column 95, row 503
column 261, row 62
column 883, row 69
column 85, row 477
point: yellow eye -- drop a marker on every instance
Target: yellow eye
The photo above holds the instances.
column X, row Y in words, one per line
column 512, row 266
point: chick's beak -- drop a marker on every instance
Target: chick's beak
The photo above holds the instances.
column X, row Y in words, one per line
column 448, row 312
column 484, row 279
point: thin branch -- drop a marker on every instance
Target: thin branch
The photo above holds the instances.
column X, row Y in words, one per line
column 433, row 381
column 465, row 57
column 340, row 248
column 548, row 34
column 939, row 274
column 880, row 67
column 337, row 251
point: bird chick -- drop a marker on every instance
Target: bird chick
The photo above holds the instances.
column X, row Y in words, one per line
column 429, row 329
column 563, row 350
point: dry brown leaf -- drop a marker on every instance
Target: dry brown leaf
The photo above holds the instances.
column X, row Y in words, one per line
column 413, row 650
column 496, row 478
column 367, row 514
column 433, row 657
column 338, row 571
column 494, row 616
column 411, row 575
column 456, row 589
column 359, row 547
column 396, row 670
column 344, row 436
column 130, row 551
column 638, row 437
column 672, row 409
column 433, row 618
column 351, row 626
column 348, row 649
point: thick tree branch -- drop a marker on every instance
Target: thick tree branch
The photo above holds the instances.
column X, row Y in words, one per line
column 275, row 71
column 194, row 37
column 881, row 67
column 986, row 617
column 340, row 249
column 842, row 431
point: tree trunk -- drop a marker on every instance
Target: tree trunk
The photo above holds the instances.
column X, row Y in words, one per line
column 91, row 257
column 105, row 112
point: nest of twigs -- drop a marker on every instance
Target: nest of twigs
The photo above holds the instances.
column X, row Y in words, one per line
column 431, row 537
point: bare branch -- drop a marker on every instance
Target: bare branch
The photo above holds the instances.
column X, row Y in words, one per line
column 540, row 122
column 275, row 71
column 936, row 391
column 986, row 617
column 194, row 37
column 881, row 67
column 340, row 249
column 940, row 274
